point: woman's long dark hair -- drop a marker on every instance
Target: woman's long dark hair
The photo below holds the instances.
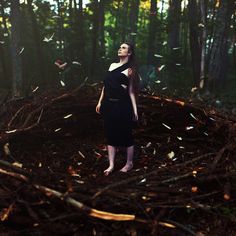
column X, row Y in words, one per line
column 134, row 75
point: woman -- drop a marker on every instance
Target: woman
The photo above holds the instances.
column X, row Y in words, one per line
column 117, row 104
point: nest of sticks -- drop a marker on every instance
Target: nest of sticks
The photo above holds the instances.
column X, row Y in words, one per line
column 53, row 156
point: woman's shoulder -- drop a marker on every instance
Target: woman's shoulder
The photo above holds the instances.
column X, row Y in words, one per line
column 112, row 66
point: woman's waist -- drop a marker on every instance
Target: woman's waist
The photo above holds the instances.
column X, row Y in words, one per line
column 117, row 99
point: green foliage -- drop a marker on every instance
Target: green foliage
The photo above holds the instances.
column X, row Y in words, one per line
column 72, row 33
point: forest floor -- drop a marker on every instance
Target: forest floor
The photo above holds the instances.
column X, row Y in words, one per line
column 53, row 157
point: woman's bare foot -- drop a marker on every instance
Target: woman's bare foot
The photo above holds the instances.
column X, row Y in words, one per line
column 108, row 171
column 127, row 167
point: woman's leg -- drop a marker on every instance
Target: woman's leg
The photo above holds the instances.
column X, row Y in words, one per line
column 111, row 157
column 129, row 163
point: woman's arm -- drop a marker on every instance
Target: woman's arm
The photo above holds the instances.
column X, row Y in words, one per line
column 101, row 96
column 100, row 101
column 133, row 99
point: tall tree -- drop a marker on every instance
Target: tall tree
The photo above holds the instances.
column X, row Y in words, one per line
column 219, row 55
column 94, row 56
column 194, row 40
column 102, row 49
column 203, row 42
column 174, row 14
column 173, row 29
column 134, row 20
column 15, row 49
column 152, row 32
column 40, row 67
column 4, row 44
column 125, row 21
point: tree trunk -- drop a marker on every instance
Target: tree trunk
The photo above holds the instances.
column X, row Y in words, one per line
column 174, row 56
column 37, row 45
column 15, row 48
column 134, row 20
column 94, row 59
column 101, row 29
column 60, row 29
column 194, row 40
column 219, row 55
column 152, row 32
column 125, row 21
column 81, row 41
column 4, row 48
column 174, row 14
column 203, row 42
column 162, row 9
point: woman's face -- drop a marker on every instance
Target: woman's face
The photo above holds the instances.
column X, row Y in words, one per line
column 123, row 51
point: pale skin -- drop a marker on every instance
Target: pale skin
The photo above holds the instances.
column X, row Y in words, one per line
column 123, row 54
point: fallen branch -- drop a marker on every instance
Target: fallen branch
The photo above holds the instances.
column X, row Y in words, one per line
column 78, row 205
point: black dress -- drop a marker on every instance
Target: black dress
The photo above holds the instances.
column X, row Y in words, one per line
column 116, row 108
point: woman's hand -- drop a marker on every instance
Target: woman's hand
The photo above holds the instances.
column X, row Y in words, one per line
column 135, row 117
column 98, row 108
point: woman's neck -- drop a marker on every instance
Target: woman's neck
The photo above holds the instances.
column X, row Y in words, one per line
column 123, row 60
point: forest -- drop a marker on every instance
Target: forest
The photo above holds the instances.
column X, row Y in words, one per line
column 53, row 58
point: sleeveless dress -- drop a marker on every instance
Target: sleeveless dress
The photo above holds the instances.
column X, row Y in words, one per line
column 116, row 108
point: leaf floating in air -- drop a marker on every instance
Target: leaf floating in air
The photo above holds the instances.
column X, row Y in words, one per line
column 143, row 180
column 10, row 131
column 79, row 181
column 148, row 144
column 193, row 89
column 161, row 67
column 164, row 43
column 81, row 154
column 48, row 39
column 133, row 33
column 189, row 127
column 201, row 25
column 157, row 55
column 201, row 84
column 76, row 63
column 164, row 88
column 22, row 49
column 194, row 117
column 168, row 127
column 157, row 81
column 67, row 116
column 35, row 89
column 56, row 17
column 176, row 48
column 56, row 130
column 62, row 83
column 154, row 151
column 171, row 155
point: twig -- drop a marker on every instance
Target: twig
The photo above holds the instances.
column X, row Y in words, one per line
column 181, row 227
column 135, row 178
column 79, row 205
